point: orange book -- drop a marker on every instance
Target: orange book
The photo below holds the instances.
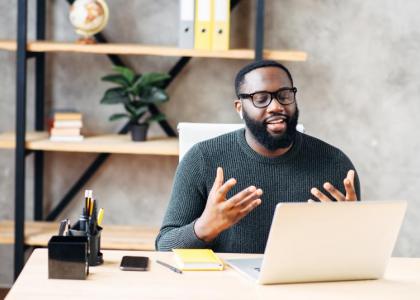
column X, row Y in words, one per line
column 67, row 116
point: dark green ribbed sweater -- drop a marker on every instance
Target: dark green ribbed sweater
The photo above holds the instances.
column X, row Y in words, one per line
column 287, row 178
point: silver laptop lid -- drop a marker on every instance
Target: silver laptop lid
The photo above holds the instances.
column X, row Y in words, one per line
column 331, row 241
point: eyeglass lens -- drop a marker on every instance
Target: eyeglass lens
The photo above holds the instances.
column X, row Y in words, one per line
column 263, row 99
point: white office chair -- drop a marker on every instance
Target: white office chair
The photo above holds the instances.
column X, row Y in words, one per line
column 192, row 133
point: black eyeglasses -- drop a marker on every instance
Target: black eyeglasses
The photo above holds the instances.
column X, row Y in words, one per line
column 262, row 99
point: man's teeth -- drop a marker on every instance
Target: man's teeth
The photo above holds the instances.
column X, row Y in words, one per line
column 276, row 121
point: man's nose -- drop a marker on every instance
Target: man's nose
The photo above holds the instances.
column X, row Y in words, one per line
column 275, row 105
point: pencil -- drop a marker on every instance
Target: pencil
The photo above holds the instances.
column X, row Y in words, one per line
column 176, row 270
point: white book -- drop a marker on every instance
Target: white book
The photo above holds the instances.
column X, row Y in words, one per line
column 59, row 138
column 65, row 131
column 67, row 124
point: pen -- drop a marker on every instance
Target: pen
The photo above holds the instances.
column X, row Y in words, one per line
column 100, row 216
column 62, row 228
column 87, row 201
column 90, row 202
column 169, row 267
column 67, row 227
column 93, row 218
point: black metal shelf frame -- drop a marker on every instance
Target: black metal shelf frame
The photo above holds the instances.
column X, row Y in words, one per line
column 20, row 152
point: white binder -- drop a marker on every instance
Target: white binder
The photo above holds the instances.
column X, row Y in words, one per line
column 221, row 24
column 186, row 24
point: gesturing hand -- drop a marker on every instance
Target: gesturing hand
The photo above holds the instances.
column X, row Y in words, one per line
column 335, row 193
column 221, row 213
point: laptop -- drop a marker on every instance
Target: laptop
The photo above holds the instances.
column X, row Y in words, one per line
column 314, row 242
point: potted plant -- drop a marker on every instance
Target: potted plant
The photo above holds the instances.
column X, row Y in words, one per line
column 136, row 92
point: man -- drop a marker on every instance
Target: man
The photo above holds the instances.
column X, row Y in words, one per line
column 267, row 162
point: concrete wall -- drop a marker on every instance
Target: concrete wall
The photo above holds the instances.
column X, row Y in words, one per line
column 359, row 91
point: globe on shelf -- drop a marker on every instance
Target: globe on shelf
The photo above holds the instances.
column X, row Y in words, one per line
column 88, row 17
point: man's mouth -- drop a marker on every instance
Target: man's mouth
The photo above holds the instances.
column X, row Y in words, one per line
column 276, row 124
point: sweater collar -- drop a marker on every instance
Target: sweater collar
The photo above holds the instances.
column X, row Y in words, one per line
column 240, row 137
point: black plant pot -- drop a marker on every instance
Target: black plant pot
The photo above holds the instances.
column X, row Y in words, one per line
column 139, row 132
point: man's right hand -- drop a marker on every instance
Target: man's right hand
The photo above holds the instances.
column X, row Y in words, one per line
column 221, row 213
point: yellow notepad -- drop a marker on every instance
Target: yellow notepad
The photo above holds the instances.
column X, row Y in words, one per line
column 197, row 260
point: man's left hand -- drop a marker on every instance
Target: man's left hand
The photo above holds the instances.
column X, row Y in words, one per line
column 335, row 193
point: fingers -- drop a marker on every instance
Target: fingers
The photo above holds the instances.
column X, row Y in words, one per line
column 250, row 207
column 334, row 192
column 238, row 215
column 251, row 197
column 244, row 197
column 320, row 195
column 350, row 192
column 350, row 176
column 349, row 186
column 225, row 188
column 218, row 181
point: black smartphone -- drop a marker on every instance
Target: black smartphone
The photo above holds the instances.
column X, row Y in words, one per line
column 134, row 263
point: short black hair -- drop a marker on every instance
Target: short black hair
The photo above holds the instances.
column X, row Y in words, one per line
column 240, row 76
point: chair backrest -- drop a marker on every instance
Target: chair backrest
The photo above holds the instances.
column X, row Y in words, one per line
column 192, row 133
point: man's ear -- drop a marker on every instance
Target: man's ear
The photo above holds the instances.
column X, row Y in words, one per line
column 238, row 107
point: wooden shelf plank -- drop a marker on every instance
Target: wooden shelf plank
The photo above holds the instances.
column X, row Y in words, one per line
column 113, row 236
column 8, row 141
column 136, row 49
column 8, row 45
column 112, row 143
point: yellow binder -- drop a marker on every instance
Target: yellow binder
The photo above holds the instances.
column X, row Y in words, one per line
column 197, row 260
column 203, row 24
column 221, row 24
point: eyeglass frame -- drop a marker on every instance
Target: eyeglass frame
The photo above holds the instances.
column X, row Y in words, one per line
column 272, row 96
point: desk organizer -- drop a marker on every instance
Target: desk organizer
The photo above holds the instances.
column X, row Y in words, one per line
column 68, row 257
column 95, row 256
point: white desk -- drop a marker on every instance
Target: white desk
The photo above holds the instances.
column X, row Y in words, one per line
column 401, row 281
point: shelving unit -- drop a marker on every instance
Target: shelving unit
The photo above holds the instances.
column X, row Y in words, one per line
column 26, row 143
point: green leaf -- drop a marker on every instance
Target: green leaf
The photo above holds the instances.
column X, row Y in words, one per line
column 118, row 117
column 116, row 78
column 155, row 118
column 155, row 95
column 131, row 109
column 126, row 72
column 148, row 80
column 115, row 96
column 137, row 87
column 141, row 110
column 154, row 79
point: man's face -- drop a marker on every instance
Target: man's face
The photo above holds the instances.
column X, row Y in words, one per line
column 274, row 126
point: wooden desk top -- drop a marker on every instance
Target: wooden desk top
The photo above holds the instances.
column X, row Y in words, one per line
column 401, row 281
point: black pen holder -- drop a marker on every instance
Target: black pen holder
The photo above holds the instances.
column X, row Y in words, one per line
column 95, row 256
column 68, row 257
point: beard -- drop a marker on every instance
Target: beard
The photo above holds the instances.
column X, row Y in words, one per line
column 273, row 142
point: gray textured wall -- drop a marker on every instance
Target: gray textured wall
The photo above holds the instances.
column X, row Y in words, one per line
column 359, row 91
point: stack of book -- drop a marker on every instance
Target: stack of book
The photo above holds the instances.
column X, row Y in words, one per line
column 66, row 127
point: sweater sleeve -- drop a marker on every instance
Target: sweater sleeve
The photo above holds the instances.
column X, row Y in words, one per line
column 187, row 202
